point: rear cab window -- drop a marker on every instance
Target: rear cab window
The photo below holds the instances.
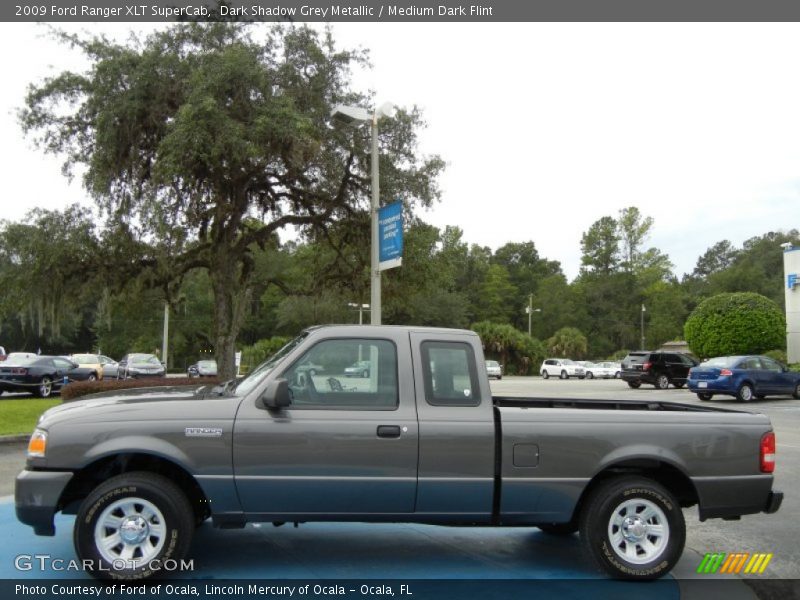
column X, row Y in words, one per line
column 450, row 374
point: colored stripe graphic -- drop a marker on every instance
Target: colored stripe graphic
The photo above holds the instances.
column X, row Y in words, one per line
column 734, row 563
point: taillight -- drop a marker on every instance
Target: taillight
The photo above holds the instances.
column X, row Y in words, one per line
column 646, row 366
column 726, row 372
column 689, row 374
column 767, row 452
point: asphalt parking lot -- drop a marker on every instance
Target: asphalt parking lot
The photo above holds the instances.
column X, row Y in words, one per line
column 415, row 552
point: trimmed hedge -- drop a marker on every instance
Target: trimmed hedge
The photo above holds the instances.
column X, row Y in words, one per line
column 78, row 389
column 735, row 323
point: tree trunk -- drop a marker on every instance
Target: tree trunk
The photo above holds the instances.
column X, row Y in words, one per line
column 230, row 300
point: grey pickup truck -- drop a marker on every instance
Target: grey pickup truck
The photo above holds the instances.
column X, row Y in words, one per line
column 416, row 437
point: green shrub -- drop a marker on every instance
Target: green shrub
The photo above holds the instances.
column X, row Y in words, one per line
column 778, row 355
column 78, row 389
column 254, row 355
column 735, row 323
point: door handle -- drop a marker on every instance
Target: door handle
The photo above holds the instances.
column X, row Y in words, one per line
column 388, row 431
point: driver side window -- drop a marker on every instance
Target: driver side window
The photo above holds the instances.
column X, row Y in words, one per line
column 346, row 374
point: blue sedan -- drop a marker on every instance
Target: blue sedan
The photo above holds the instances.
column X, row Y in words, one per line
column 743, row 377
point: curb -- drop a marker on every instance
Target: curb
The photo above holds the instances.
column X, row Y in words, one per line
column 15, row 439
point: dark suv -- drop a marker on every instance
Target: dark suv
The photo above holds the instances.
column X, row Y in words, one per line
column 657, row 368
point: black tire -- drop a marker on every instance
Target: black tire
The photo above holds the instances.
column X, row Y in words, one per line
column 704, row 395
column 499, row 377
column 92, row 377
column 45, row 388
column 589, row 375
column 679, row 386
column 760, row 396
column 564, row 375
column 634, row 384
column 567, row 528
column 178, row 523
column 662, row 382
column 745, row 393
column 796, row 392
column 545, row 374
column 618, row 375
column 612, row 528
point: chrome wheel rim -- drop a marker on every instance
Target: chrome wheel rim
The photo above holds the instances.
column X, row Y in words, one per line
column 663, row 382
column 130, row 532
column 45, row 387
column 746, row 393
column 638, row 531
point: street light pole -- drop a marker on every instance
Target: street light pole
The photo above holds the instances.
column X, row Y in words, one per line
column 641, row 347
column 375, row 280
column 530, row 310
column 350, row 115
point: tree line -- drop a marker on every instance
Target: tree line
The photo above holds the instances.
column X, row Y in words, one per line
column 61, row 296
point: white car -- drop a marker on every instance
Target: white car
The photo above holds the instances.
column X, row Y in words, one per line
column 493, row 369
column 563, row 368
column 600, row 370
column 614, row 366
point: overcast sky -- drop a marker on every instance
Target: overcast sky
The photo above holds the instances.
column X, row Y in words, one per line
column 546, row 127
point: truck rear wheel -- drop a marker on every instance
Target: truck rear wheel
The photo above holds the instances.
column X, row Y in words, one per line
column 131, row 524
column 632, row 528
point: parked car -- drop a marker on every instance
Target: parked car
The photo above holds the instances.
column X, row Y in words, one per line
column 110, row 366
column 614, row 366
column 311, row 368
column 743, row 377
column 657, row 368
column 563, row 368
column 40, row 375
column 89, row 361
column 140, row 365
column 203, row 368
column 494, row 369
column 599, row 370
column 358, row 369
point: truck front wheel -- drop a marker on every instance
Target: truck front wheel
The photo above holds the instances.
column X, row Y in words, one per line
column 131, row 524
column 632, row 528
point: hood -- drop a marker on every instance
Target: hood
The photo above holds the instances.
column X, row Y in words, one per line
column 155, row 403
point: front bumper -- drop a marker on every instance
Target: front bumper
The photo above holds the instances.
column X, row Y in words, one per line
column 36, row 496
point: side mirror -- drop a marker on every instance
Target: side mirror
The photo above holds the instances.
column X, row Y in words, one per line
column 276, row 395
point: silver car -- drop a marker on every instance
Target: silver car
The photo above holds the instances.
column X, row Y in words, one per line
column 494, row 369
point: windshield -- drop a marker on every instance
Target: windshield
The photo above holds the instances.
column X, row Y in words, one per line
column 85, row 358
column 248, row 383
column 722, row 361
column 146, row 359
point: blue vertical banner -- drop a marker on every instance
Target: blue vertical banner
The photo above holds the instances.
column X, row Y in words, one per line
column 390, row 234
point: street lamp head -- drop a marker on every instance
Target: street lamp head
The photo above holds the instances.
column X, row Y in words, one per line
column 387, row 109
column 350, row 115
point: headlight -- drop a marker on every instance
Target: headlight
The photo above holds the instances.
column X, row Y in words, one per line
column 37, row 444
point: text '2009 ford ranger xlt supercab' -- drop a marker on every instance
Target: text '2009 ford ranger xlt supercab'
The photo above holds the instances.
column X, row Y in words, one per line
column 421, row 439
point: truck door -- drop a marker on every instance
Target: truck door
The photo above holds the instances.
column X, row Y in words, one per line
column 347, row 444
column 457, row 435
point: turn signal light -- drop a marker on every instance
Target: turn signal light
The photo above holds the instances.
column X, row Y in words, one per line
column 767, row 453
column 37, row 444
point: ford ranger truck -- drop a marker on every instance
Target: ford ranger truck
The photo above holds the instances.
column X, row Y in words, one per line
column 421, row 439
